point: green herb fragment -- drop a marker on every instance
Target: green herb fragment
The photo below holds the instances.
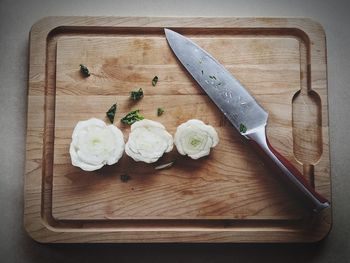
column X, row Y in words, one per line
column 136, row 95
column 242, row 128
column 160, row 111
column 154, row 81
column 84, row 70
column 111, row 112
column 125, row 177
column 212, row 77
column 132, row 117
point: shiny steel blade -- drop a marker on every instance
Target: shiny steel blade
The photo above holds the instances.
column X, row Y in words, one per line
column 225, row 90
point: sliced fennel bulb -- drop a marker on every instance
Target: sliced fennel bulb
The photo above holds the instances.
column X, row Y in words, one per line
column 148, row 141
column 95, row 144
column 195, row 139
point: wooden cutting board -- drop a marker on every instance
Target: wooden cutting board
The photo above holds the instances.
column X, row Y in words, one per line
column 229, row 196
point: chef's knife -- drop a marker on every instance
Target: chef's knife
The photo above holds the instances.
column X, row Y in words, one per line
column 240, row 108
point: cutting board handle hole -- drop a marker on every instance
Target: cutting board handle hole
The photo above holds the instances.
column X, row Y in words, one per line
column 307, row 129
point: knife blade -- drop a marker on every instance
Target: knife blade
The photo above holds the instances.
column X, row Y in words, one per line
column 241, row 109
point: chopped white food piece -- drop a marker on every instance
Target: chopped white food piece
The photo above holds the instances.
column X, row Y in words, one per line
column 95, row 144
column 194, row 138
column 164, row 166
column 148, row 141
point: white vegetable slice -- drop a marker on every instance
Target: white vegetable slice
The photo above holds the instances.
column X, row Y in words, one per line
column 195, row 139
column 148, row 141
column 95, row 144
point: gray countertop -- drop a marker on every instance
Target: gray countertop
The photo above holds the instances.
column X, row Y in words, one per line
column 16, row 18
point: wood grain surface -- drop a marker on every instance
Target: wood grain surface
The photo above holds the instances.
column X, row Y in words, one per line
column 229, row 196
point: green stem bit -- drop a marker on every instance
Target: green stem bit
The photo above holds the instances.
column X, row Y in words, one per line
column 136, row 95
column 84, row 70
column 242, row 128
column 160, row 111
column 154, row 81
column 125, row 177
column 111, row 112
column 132, row 117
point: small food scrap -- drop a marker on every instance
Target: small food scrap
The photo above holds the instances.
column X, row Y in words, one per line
column 160, row 111
column 136, row 95
column 148, row 141
column 125, row 177
column 242, row 128
column 84, row 71
column 95, row 144
column 195, row 139
column 212, row 77
column 111, row 112
column 154, row 81
column 164, row 166
column 132, row 117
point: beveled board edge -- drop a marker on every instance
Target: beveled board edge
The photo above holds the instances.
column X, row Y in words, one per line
column 42, row 230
